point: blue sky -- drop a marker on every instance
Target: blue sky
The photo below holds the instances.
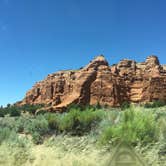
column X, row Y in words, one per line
column 38, row 37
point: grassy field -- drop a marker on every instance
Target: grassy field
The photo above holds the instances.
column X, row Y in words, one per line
column 81, row 136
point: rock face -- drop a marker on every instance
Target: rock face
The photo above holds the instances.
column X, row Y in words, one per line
column 100, row 83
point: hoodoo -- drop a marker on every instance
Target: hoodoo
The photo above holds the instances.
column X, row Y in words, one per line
column 100, row 83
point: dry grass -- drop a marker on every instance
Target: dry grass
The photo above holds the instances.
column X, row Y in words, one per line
column 71, row 151
column 58, row 151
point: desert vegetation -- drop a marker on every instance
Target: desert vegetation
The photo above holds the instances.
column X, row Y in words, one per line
column 81, row 135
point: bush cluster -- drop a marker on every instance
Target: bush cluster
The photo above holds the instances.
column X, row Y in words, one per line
column 143, row 128
column 155, row 104
column 133, row 127
column 125, row 105
column 76, row 121
column 11, row 110
column 14, row 110
column 38, row 128
column 4, row 134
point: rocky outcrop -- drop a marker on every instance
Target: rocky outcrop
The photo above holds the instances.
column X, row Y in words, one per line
column 100, row 83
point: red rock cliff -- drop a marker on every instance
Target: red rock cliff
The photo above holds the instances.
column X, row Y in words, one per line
column 100, row 83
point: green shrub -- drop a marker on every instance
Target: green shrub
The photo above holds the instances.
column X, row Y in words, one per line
column 139, row 125
column 39, row 124
column 31, row 108
column 78, row 122
column 111, row 117
column 38, row 128
column 89, row 119
column 67, row 120
column 2, row 112
column 162, row 128
column 155, row 104
column 133, row 127
column 125, row 105
column 21, row 123
column 53, row 120
column 73, row 106
column 4, row 134
column 8, row 122
column 37, row 138
column 14, row 123
column 97, row 106
column 159, row 114
column 14, row 111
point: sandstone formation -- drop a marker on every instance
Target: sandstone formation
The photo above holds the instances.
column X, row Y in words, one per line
column 100, row 83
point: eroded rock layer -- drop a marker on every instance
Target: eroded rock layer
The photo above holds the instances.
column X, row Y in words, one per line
column 100, row 83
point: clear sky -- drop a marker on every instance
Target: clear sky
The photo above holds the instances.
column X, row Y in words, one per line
column 38, row 37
